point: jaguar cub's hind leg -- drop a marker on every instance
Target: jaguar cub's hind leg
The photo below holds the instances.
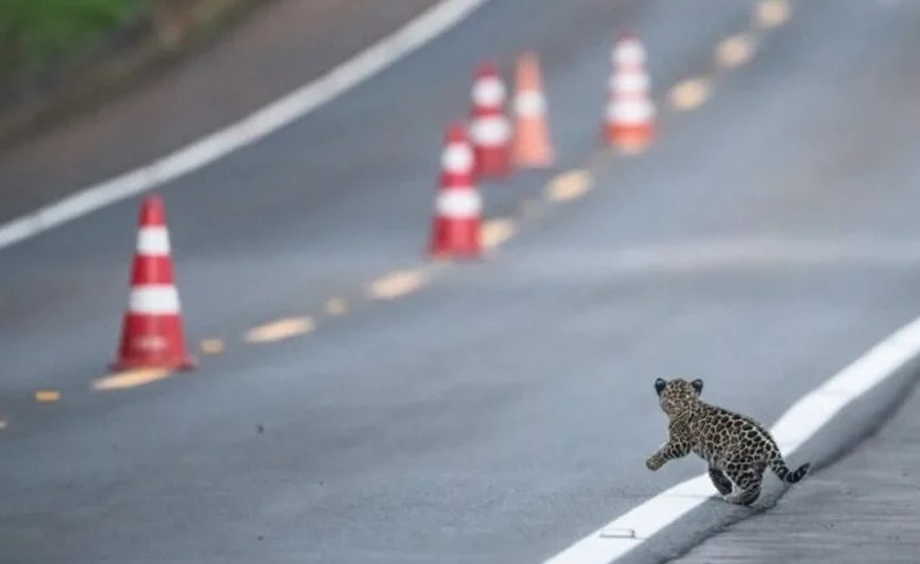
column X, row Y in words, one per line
column 722, row 484
column 746, row 496
column 748, row 480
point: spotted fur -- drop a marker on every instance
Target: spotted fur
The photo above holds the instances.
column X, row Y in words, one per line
column 737, row 448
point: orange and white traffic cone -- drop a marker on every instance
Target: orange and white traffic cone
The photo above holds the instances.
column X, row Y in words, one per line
column 458, row 222
column 630, row 123
column 533, row 147
column 152, row 332
column 490, row 128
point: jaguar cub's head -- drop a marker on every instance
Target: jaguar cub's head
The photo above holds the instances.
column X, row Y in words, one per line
column 677, row 394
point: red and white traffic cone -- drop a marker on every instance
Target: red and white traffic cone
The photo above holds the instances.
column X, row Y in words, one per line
column 458, row 222
column 630, row 121
column 152, row 333
column 490, row 126
column 533, row 146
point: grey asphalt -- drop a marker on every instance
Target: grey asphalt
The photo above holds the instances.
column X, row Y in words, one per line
column 506, row 410
column 862, row 509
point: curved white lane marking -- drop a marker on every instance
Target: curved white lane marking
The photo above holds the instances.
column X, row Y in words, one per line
column 754, row 253
column 798, row 424
column 192, row 157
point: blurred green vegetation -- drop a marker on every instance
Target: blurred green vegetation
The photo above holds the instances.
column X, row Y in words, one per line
column 33, row 32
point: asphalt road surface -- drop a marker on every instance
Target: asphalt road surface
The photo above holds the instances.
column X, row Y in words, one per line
column 504, row 409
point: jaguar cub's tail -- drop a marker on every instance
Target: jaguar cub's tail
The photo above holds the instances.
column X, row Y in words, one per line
column 785, row 473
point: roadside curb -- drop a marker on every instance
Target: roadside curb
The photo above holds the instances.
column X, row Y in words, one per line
column 33, row 101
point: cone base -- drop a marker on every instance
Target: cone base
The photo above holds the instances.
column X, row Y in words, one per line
column 184, row 364
column 444, row 256
column 534, row 160
column 492, row 162
column 630, row 139
column 152, row 341
column 455, row 238
column 532, row 147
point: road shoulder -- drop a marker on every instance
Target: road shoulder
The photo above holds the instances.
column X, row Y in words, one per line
column 279, row 48
column 87, row 73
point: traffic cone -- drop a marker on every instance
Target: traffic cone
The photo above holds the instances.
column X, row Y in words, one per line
column 457, row 223
column 152, row 334
column 630, row 124
column 532, row 145
column 490, row 128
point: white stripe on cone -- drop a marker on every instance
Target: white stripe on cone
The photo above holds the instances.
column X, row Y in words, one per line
column 153, row 241
column 459, row 204
column 529, row 104
column 631, row 113
column 457, row 158
column 629, row 53
column 630, row 83
column 489, row 92
column 154, row 299
column 490, row 131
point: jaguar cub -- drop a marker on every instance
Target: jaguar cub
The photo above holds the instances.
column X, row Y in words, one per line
column 737, row 448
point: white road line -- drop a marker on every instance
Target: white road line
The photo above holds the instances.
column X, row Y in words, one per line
column 192, row 157
column 798, row 424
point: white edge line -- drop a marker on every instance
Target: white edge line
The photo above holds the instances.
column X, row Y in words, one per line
column 282, row 112
column 798, row 424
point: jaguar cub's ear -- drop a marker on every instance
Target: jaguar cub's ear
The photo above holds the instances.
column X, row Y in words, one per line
column 659, row 385
column 697, row 385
